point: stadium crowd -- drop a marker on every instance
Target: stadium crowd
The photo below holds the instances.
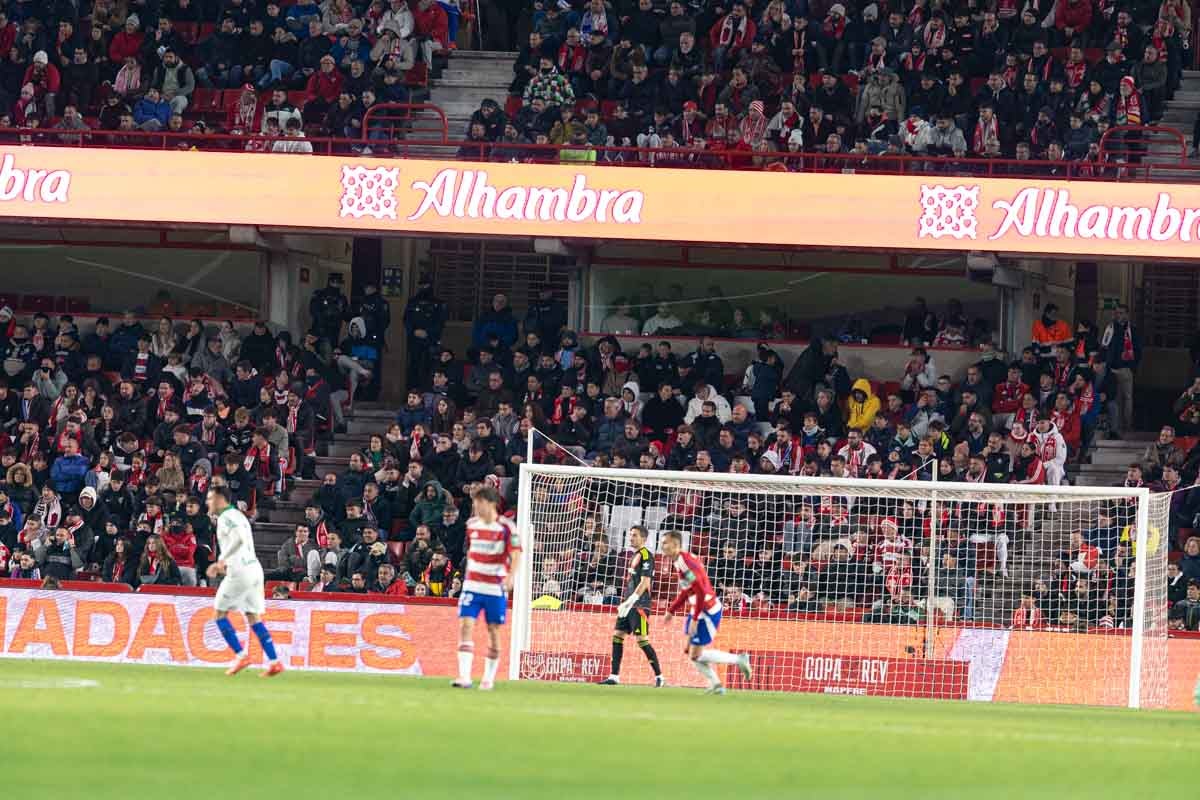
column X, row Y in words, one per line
column 732, row 82
column 293, row 69
column 1023, row 421
column 110, row 439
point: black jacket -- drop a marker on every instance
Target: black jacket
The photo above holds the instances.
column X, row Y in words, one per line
column 660, row 415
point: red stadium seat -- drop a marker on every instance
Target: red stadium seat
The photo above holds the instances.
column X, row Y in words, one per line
column 205, row 101
column 418, row 76
column 38, row 303
column 396, row 551
column 189, row 32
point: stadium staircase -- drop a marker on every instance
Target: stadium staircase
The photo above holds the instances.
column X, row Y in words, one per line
column 1109, row 459
column 471, row 76
column 1180, row 113
column 276, row 525
column 1030, row 560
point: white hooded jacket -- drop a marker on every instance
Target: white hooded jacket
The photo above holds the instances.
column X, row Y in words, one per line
column 696, row 405
column 1050, row 446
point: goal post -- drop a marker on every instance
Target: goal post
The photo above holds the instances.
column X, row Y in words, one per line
column 918, row 588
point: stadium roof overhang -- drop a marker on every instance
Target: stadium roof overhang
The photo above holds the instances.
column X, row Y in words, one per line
column 347, row 195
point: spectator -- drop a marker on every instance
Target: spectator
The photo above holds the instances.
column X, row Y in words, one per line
column 174, row 81
column 497, row 322
column 1185, row 614
column 1122, row 353
column 385, row 582
column 157, row 566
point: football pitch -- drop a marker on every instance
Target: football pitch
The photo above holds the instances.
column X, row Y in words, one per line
column 83, row 730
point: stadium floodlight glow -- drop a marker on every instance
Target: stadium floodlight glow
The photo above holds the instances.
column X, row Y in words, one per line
column 871, row 594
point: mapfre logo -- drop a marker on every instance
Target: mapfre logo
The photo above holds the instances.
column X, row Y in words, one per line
column 369, row 192
column 32, row 185
column 948, row 211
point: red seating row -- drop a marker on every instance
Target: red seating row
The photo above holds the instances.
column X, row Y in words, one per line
column 46, row 304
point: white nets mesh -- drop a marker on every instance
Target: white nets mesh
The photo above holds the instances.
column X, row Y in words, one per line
column 914, row 588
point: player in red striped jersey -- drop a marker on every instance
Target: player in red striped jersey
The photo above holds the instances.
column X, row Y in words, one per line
column 704, row 613
column 493, row 555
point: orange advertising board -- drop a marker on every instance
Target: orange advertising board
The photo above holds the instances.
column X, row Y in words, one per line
column 411, row 639
column 418, row 197
column 394, row 638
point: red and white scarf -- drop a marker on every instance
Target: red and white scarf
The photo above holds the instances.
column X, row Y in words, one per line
column 987, row 136
column 733, row 31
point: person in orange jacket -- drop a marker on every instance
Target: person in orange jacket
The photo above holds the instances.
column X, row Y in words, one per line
column 1049, row 331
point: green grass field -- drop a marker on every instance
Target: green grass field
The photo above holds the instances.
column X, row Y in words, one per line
column 177, row 733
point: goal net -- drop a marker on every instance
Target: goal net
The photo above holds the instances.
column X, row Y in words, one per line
column 913, row 588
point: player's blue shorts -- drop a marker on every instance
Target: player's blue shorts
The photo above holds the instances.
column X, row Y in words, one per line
column 706, row 631
column 492, row 606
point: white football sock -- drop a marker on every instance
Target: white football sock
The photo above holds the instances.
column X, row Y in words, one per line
column 707, row 672
column 718, row 657
column 466, row 660
column 490, row 665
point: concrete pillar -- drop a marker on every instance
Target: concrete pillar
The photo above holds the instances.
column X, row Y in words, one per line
column 283, row 291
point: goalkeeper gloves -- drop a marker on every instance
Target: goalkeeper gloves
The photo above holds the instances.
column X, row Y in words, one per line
column 627, row 606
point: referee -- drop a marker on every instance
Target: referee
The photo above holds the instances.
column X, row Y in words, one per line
column 633, row 615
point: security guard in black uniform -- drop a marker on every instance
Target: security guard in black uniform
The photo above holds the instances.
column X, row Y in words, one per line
column 424, row 318
column 327, row 310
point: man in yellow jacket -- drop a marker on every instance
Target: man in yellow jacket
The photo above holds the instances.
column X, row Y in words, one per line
column 863, row 405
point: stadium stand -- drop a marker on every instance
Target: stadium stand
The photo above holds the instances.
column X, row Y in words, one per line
column 111, row 435
column 736, row 82
column 106, row 468
column 1071, row 90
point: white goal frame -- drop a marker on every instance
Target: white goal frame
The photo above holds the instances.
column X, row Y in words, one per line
column 522, row 598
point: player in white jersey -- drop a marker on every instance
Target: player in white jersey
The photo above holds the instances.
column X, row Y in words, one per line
column 493, row 554
column 241, row 588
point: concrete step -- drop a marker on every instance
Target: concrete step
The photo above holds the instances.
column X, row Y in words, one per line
column 341, row 452
column 466, row 56
column 1114, row 456
column 462, row 78
column 1142, row 438
column 331, row 464
column 361, row 428
column 458, row 107
column 1101, row 479
column 373, row 414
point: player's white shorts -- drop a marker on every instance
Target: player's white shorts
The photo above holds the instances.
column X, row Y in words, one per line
column 242, row 591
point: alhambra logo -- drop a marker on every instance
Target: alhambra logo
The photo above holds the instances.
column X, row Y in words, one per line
column 32, row 185
column 948, row 211
column 1052, row 213
column 369, row 192
column 463, row 194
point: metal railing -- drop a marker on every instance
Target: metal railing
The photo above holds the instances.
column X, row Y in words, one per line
column 398, row 134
